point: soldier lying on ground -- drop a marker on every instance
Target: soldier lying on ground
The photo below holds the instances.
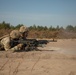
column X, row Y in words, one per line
column 7, row 42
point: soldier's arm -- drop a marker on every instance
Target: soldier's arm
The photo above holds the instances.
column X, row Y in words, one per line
column 8, row 47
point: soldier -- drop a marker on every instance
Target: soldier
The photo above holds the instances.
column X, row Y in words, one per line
column 7, row 42
column 23, row 32
column 23, row 35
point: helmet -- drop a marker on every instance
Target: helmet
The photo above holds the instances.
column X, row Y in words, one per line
column 15, row 34
column 23, row 29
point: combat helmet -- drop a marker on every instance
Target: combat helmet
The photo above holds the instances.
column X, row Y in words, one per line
column 23, row 29
column 15, row 34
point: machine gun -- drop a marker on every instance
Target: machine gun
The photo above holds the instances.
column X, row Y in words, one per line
column 32, row 44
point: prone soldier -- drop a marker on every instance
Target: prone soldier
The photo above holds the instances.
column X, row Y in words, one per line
column 7, row 42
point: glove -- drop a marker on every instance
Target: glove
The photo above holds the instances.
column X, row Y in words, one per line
column 19, row 46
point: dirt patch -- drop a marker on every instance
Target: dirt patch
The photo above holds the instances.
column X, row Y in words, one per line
column 57, row 58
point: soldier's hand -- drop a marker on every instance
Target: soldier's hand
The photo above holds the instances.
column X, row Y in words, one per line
column 19, row 45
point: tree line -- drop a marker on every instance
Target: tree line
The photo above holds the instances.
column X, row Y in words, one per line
column 40, row 31
column 5, row 25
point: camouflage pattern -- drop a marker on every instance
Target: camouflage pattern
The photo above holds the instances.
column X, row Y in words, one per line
column 6, row 42
column 15, row 34
column 23, row 29
column 4, row 36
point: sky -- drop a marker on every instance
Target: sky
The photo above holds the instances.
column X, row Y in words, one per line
column 38, row 12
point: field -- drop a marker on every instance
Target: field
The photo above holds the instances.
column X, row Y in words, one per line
column 57, row 58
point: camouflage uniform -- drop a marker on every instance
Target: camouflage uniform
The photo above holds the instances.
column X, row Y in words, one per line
column 24, row 32
column 6, row 42
column 23, row 29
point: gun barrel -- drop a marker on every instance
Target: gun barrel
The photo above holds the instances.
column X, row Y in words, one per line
column 46, row 41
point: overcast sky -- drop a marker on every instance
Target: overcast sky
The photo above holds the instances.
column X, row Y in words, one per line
column 39, row 12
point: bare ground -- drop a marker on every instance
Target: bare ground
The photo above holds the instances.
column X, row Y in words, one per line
column 57, row 58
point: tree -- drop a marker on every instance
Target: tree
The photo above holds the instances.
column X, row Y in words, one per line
column 75, row 29
column 18, row 26
column 50, row 28
column 57, row 28
column 34, row 27
column 4, row 25
column 45, row 28
column 70, row 28
column 30, row 28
